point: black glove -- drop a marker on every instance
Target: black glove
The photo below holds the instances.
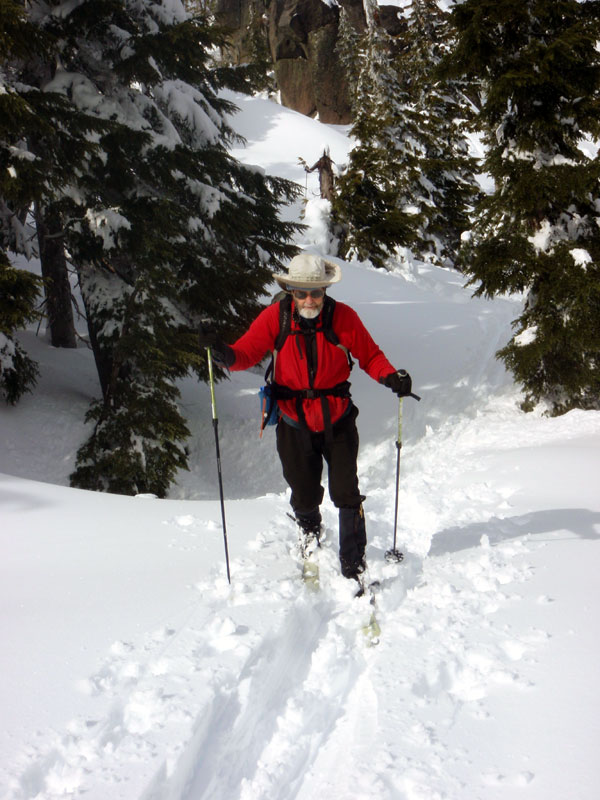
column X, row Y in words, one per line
column 207, row 335
column 399, row 382
column 222, row 354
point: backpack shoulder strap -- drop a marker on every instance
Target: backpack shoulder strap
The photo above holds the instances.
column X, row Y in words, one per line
column 328, row 332
column 285, row 325
column 285, row 321
column 327, row 320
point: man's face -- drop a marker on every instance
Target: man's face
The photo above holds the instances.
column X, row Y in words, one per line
column 309, row 302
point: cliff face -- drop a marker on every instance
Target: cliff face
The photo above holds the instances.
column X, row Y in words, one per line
column 299, row 37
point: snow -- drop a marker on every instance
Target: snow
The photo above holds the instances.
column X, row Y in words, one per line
column 184, row 103
column 528, row 336
column 131, row 669
column 581, row 257
column 106, row 224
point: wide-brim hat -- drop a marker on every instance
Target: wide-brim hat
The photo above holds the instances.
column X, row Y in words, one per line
column 308, row 271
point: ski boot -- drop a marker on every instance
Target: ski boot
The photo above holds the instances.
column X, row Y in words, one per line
column 309, row 532
column 353, row 542
column 309, row 541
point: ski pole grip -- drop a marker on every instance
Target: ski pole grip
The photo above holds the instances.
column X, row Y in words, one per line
column 403, row 374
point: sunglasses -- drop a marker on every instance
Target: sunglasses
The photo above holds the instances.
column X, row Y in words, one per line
column 302, row 294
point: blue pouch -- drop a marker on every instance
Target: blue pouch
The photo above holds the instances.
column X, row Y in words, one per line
column 269, row 410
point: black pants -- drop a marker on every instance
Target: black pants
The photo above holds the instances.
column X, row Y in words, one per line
column 302, row 455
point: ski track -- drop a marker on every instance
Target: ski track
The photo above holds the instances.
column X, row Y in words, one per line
column 214, row 709
column 208, row 707
column 198, row 702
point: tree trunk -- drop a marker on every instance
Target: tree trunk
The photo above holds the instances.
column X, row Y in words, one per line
column 103, row 359
column 56, row 277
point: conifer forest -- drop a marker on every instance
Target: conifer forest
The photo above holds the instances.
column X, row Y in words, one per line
column 116, row 176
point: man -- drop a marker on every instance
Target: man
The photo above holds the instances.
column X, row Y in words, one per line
column 326, row 179
column 317, row 416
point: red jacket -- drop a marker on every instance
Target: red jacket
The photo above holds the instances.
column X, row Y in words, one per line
column 291, row 368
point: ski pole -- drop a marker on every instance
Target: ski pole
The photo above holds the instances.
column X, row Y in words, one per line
column 216, row 429
column 394, row 555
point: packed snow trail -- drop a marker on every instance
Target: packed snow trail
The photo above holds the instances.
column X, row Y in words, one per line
column 266, row 691
column 215, row 707
column 132, row 671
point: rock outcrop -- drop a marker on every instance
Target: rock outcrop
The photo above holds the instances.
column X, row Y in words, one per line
column 300, row 38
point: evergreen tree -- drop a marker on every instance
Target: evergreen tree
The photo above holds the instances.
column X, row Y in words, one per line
column 27, row 174
column 367, row 204
column 438, row 175
column 125, row 149
column 44, row 141
column 539, row 231
column 262, row 74
column 350, row 49
column 410, row 181
column 17, row 289
column 164, row 226
column 18, row 294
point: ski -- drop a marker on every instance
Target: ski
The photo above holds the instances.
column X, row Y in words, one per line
column 308, row 547
column 371, row 630
column 310, row 574
column 307, row 550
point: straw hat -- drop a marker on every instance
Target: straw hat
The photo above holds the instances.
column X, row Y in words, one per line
column 307, row 271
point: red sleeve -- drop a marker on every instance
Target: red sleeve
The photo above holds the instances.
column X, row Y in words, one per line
column 258, row 340
column 353, row 335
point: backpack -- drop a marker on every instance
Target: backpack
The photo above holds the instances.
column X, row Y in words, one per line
column 270, row 391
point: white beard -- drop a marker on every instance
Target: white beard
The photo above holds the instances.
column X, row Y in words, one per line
column 309, row 313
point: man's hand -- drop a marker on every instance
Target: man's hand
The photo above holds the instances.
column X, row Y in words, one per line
column 399, row 382
column 207, row 335
column 221, row 352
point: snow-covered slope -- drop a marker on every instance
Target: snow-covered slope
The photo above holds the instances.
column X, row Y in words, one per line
column 131, row 669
